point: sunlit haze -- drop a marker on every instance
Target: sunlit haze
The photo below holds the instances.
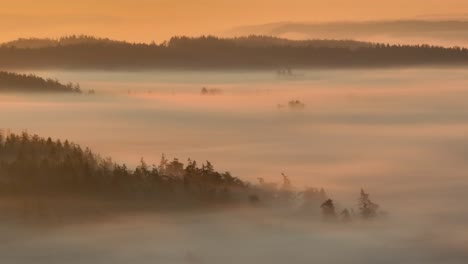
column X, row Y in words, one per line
column 233, row 132
column 148, row 20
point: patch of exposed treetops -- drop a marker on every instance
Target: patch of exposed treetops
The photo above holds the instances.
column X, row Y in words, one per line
column 209, row 52
column 14, row 82
column 31, row 165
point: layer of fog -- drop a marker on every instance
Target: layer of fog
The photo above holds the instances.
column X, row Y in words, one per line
column 240, row 236
column 400, row 134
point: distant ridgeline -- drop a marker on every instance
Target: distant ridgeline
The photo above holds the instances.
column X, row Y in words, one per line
column 253, row 52
column 37, row 43
column 13, row 82
column 34, row 166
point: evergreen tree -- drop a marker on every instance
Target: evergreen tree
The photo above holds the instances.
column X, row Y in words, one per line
column 367, row 208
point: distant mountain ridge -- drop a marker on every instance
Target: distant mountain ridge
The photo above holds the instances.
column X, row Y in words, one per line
column 414, row 31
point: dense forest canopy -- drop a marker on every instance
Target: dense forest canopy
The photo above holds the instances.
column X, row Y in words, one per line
column 31, row 165
column 255, row 52
column 268, row 41
column 14, row 82
column 248, row 41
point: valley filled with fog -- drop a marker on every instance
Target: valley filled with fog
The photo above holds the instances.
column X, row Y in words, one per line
column 401, row 134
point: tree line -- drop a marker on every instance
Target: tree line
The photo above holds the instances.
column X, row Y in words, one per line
column 14, row 82
column 210, row 52
column 36, row 43
column 31, row 165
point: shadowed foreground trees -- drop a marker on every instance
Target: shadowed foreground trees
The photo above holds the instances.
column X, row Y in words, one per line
column 30, row 164
column 35, row 166
column 14, row 82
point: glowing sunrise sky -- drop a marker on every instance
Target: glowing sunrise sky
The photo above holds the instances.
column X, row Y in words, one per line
column 147, row 20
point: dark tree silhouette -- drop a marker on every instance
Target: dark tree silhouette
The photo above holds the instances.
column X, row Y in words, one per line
column 35, row 166
column 30, row 164
column 367, row 208
column 13, row 82
column 208, row 52
column 328, row 209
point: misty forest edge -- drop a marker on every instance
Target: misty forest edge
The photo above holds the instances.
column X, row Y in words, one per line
column 31, row 166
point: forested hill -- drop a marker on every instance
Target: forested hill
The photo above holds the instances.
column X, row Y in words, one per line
column 14, row 82
column 248, row 41
column 39, row 167
column 30, row 164
column 37, row 43
column 238, row 53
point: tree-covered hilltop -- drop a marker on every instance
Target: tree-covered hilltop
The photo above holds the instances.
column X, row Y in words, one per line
column 30, row 164
column 247, row 41
column 255, row 52
column 35, row 166
column 14, row 82
column 263, row 41
column 37, row 43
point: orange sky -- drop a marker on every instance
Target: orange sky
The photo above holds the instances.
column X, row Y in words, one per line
column 146, row 20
